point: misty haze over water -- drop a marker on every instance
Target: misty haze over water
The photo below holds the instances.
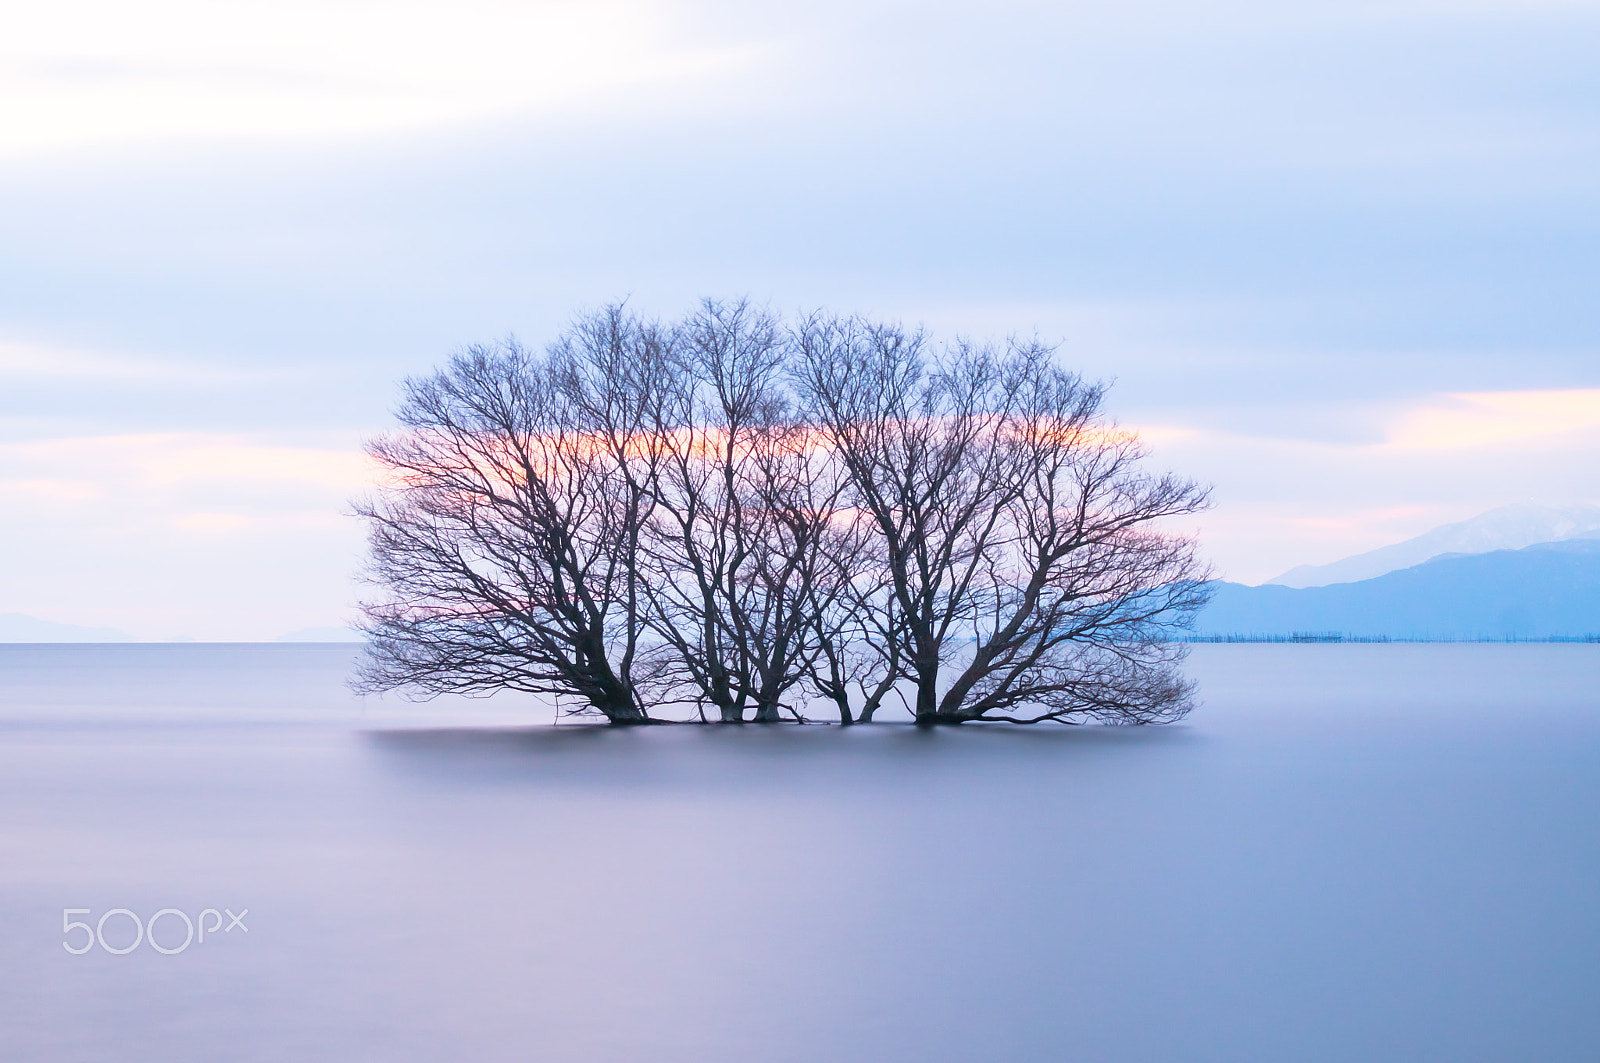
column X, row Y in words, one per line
column 1349, row 852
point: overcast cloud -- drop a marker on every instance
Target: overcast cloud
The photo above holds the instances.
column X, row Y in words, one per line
column 1341, row 259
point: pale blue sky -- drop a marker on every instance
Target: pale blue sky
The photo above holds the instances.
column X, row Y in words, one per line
column 1342, row 259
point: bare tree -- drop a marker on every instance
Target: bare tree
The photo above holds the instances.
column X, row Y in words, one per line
column 506, row 542
column 736, row 544
column 730, row 514
column 790, row 613
column 1017, row 531
column 859, row 634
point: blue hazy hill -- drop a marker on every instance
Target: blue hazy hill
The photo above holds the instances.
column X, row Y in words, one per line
column 1538, row 591
column 18, row 627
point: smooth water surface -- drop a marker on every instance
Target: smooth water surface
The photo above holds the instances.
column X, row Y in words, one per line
column 1350, row 852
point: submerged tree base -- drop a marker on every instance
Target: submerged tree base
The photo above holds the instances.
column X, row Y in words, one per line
column 925, row 722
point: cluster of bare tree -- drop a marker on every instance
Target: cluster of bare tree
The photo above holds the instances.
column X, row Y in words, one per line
column 746, row 516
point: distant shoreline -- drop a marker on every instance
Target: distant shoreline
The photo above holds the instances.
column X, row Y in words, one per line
column 1334, row 636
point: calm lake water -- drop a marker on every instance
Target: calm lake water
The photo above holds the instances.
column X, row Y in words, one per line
column 1350, row 852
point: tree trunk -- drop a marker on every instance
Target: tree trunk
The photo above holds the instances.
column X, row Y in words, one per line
column 874, row 699
column 614, row 697
column 625, row 714
column 927, row 690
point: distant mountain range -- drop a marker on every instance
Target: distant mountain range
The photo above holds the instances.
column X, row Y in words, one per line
column 1548, row 589
column 1506, row 528
column 17, row 627
column 1516, row 571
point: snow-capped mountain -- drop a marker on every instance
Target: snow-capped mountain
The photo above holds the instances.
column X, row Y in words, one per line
column 1505, row 528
